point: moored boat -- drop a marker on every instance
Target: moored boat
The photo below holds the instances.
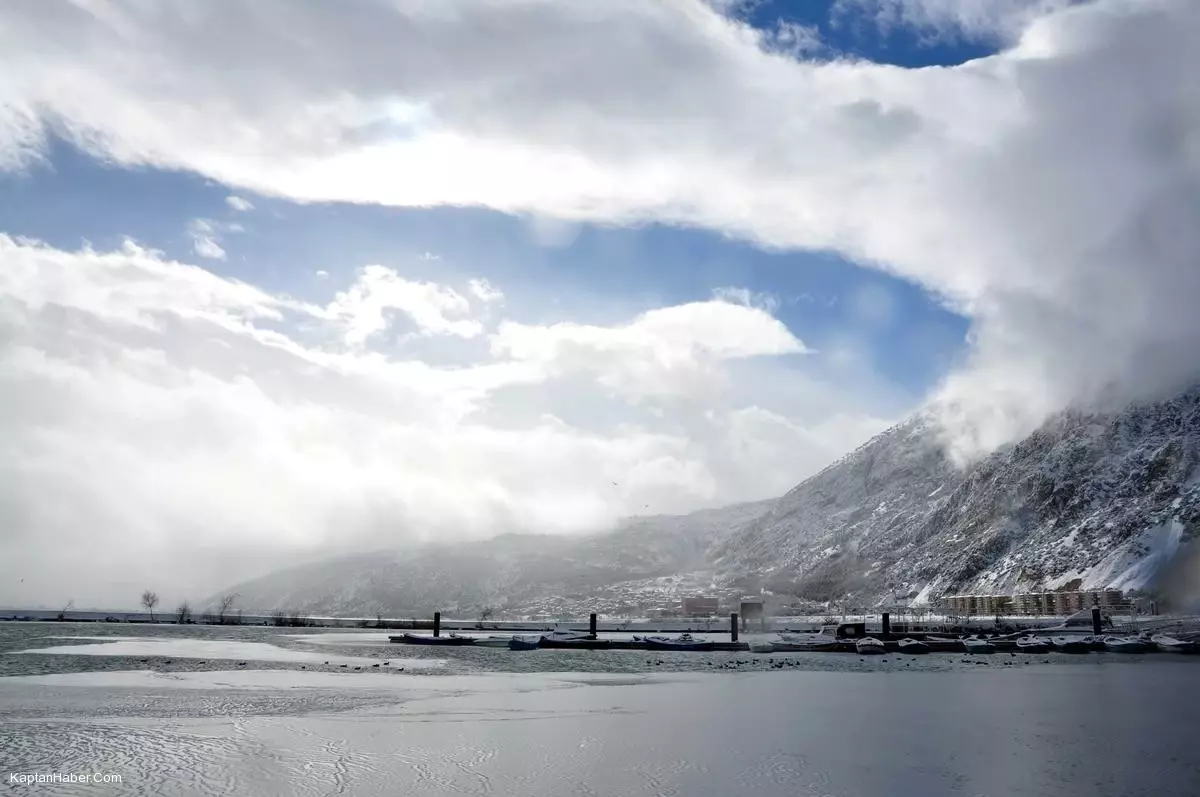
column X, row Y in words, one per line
column 822, row 645
column 681, row 642
column 1124, row 644
column 492, row 641
column 869, row 645
column 909, row 645
column 1169, row 644
column 580, row 640
column 524, row 643
column 976, row 645
column 762, row 647
column 1032, row 644
column 1072, row 644
column 419, row 639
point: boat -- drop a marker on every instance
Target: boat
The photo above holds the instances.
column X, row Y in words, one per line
column 762, row 647
column 819, row 645
column 524, row 643
column 869, row 645
column 581, row 640
column 1032, row 644
column 1169, row 644
column 1124, row 644
column 1072, row 644
column 419, row 639
column 977, row 645
column 909, row 645
column 681, row 642
column 492, row 641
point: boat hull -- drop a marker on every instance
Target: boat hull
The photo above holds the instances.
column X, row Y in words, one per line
column 573, row 644
column 913, row 647
column 1171, row 645
column 445, row 641
column 1037, row 646
column 871, row 648
column 1068, row 645
column 663, row 644
column 805, row 647
column 978, row 646
column 518, row 643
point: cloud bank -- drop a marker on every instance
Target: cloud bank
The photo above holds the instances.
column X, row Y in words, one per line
column 158, row 418
column 1048, row 191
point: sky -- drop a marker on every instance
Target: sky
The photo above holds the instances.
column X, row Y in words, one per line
column 282, row 279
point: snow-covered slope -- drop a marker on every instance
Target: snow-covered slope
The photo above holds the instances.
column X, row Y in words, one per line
column 1086, row 500
column 512, row 570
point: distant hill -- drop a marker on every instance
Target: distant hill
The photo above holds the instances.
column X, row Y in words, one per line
column 509, row 570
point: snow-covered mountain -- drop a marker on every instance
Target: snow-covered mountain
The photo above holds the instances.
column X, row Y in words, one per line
column 1086, row 501
column 512, row 570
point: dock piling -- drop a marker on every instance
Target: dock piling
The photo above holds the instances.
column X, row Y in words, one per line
column 887, row 625
column 1096, row 629
column 437, row 623
column 592, row 624
column 733, row 627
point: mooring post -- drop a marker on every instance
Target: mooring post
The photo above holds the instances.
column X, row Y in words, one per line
column 437, row 623
column 887, row 625
column 1096, row 620
column 733, row 629
column 592, row 624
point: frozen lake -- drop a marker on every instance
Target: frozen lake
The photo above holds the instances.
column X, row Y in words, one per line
column 174, row 711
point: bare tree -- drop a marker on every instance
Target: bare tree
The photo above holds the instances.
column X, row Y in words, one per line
column 183, row 614
column 70, row 605
column 150, row 600
column 224, row 604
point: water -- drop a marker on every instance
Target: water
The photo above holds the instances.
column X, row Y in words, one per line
column 616, row 723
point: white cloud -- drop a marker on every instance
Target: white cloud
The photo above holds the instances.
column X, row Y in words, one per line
column 363, row 308
column 205, row 237
column 484, row 291
column 988, row 20
column 157, row 416
column 673, row 351
column 239, row 203
column 1048, row 191
column 766, row 301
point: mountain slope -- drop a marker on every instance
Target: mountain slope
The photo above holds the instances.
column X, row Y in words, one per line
column 509, row 570
column 1087, row 500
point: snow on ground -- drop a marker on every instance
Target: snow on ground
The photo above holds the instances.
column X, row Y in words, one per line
column 301, row 679
column 178, row 648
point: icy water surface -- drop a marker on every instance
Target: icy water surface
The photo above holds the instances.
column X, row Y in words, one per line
column 172, row 715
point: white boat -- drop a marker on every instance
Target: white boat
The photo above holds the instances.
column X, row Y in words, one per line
column 908, row 645
column 1072, row 644
column 762, row 647
column 1169, row 644
column 681, row 642
column 976, row 645
column 1124, row 644
column 869, row 645
column 1032, row 644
